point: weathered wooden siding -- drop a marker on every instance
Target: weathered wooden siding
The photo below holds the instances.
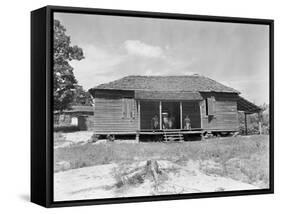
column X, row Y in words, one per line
column 109, row 112
column 108, row 116
column 90, row 122
column 225, row 115
column 192, row 109
column 148, row 110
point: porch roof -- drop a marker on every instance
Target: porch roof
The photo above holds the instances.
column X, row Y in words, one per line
column 167, row 95
column 247, row 106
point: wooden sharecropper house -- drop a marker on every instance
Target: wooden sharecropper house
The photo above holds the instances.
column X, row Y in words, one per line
column 157, row 105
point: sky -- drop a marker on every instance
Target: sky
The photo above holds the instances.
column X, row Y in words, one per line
column 236, row 55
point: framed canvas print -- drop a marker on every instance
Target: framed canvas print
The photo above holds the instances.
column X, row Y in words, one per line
column 134, row 106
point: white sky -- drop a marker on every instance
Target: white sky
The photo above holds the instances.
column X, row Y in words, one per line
column 236, row 55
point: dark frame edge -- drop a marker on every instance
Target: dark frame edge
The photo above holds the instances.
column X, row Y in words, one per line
column 271, row 104
column 49, row 106
column 163, row 15
column 160, row 198
column 38, row 154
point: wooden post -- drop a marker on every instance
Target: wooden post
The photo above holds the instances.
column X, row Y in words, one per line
column 139, row 124
column 260, row 129
column 246, row 128
column 201, row 113
column 137, row 137
column 160, row 114
column 260, row 126
column 180, row 115
column 139, row 118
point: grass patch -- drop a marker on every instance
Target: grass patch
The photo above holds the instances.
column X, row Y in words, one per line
column 246, row 155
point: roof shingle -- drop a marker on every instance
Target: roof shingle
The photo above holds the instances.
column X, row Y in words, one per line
column 185, row 83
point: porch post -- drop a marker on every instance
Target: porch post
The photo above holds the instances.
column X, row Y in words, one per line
column 139, row 118
column 260, row 124
column 180, row 114
column 201, row 114
column 246, row 128
column 160, row 114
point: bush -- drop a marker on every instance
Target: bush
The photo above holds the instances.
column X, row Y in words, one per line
column 69, row 128
column 253, row 121
column 94, row 138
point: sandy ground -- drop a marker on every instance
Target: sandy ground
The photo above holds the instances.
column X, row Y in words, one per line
column 100, row 182
column 81, row 138
column 74, row 138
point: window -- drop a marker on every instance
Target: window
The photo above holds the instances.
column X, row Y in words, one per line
column 74, row 121
column 210, row 105
column 128, row 107
column 206, row 107
column 56, row 119
column 61, row 118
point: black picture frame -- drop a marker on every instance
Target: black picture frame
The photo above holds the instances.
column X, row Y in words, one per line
column 41, row 105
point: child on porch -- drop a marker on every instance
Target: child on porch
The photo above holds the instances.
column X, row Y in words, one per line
column 155, row 122
column 187, row 123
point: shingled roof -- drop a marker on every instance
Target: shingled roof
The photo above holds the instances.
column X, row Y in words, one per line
column 191, row 83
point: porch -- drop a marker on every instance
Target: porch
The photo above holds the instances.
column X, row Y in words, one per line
column 156, row 117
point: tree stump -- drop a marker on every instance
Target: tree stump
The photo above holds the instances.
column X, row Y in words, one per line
column 152, row 169
column 138, row 176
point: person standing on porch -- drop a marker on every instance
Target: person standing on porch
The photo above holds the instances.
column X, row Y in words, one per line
column 187, row 123
column 155, row 122
column 171, row 122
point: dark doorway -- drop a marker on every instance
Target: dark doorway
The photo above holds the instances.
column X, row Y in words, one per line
column 149, row 111
column 82, row 123
column 192, row 111
column 171, row 115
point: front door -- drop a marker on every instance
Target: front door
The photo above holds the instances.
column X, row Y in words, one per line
column 82, row 123
column 171, row 115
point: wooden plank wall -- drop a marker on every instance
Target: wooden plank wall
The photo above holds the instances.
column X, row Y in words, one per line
column 192, row 109
column 109, row 113
column 108, row 116
column 90, row 122
column 225, row 113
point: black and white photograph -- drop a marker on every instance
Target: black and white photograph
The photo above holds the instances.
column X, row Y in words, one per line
column 150, row 106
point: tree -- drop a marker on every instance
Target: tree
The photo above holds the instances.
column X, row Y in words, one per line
column 64, row 79
column 81, row 97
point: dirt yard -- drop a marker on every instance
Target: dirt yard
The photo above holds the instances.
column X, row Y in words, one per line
column 118, row 169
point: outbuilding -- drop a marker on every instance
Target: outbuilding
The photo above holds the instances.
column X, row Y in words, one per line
column 76, row 118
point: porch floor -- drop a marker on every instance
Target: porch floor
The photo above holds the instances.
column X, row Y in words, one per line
column 171, row 131
column 154, row 132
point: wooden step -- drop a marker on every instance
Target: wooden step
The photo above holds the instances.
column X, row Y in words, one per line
column 172, row 135
column 174, row 139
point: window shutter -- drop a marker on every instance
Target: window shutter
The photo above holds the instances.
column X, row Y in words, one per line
column 132, row 110
column 123, row 108
column 128, row 109
column 211, row 106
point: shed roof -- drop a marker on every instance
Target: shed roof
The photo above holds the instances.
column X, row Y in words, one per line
column 247, row 106
column 186, row 83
